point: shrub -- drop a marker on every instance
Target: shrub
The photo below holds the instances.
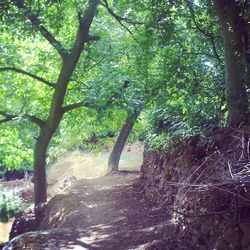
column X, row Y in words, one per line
column 10, row 204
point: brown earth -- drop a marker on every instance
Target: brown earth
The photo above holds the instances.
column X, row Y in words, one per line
column 105, row 213
column 91, row 210
column 84, row 165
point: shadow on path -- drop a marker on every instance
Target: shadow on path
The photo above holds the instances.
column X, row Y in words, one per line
column 105, row 213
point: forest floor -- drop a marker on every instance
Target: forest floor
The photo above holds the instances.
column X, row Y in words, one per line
column 98, row 212
column 109, row 212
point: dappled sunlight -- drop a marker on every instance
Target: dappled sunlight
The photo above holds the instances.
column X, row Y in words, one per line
column 107, row 214
column 93, row 237
column 102, row 226
column 90, row 205
column 104, row 213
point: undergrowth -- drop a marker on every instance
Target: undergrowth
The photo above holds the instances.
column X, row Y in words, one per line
column 10, row 204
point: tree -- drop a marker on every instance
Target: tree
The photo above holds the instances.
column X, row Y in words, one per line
column 57, row 108
column 185, row 63
column 114, row 158
column 233, row 20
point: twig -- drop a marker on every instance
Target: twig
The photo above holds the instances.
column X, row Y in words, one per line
column 248, row 149
column 230, row 170
column 242, row 146
column 193, row 215
column 118, row 18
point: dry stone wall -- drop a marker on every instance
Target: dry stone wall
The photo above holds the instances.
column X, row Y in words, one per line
column 205, row 183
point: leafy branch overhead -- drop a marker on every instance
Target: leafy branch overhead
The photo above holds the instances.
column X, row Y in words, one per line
column 171, row 83
column 37, row 23
column 11, row 117
column 120, row 19
column 20, row 71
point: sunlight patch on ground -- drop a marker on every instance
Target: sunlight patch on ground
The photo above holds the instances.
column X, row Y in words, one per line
column 82, row 165
column 148, row 229
column 142, row 247
column 90, row 205
column 100, row 188
column 118, row 219
column 102, row 226
column 4, row 231
column 93, row 237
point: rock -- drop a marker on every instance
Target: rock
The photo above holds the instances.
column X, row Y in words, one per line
column 2, row 245
column 23, row 222
column 56, row 239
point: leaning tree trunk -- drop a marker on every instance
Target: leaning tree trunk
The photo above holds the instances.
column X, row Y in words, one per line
column 114, row 158
column 57, row 109
column 232, row 27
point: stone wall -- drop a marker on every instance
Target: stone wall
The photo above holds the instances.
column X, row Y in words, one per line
column 205, row 184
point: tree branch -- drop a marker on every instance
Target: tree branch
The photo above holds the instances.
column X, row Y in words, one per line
column 56, row 44
column 111, row 99
column 7, row 117
column 119, row 19
column 32, row 118
column 28, row 74
column 94, row 65
column 76, row 106
column 86, row 21
column 44, row 32
column 205, row 33
column 83, row 31
column 35, row 120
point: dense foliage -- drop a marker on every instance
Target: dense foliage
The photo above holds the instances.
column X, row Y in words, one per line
column 72, row 73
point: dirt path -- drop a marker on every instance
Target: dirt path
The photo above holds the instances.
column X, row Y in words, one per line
column 106, row 213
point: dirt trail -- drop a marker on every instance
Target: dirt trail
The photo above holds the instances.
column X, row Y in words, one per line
column 105, row 213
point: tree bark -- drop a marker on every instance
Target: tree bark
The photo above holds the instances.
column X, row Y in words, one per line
column 40, row 185
column 114, row 158
column 232, row 28
column 40, row 155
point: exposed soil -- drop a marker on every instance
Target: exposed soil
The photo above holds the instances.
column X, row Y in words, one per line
column 109, row 212
column 83, row 165
column 105, row 213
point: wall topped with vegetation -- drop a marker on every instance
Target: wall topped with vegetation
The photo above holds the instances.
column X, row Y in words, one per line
column 205, row 185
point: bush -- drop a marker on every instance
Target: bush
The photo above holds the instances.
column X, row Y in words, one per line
column 10, row 204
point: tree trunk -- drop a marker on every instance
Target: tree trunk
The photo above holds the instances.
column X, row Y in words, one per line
column 40, row 186
column 232, row 27
column 114, row 158
column 40, row 155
